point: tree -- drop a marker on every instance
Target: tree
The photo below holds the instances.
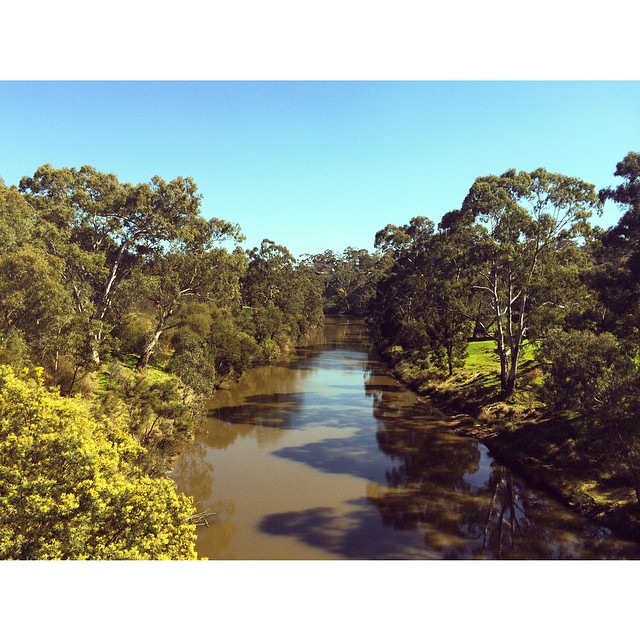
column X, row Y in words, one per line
column 285, row 298
column 34, row 301
column 400, row 289
column 446, row 305
column 17, row 219
column 422, row 299
column 596, row 375
column 35, row 304
column 269, row 275
column 627, row 196
column 158, row 412
column 71, row 489
column 102, row 228
column 194, row 270
column 231, row 349
column 348, row 280
column 581, row 367
column 616, row 277
column 529, row 226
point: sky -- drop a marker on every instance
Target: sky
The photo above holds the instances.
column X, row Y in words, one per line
column 318, row 165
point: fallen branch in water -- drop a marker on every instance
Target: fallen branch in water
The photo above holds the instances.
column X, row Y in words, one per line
column 201, row 518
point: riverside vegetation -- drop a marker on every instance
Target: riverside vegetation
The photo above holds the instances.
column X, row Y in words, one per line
column 122, row 308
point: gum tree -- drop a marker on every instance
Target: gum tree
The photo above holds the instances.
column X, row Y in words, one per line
column 102, row 229
column 528, row 226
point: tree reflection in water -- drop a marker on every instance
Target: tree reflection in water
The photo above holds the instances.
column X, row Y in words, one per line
column 467, row 505
column 309, row 466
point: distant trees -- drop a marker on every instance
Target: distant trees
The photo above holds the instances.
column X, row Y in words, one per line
column 348, row 279
column 282, row 299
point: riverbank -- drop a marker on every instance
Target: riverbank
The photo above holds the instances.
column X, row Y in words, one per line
column 557, row 453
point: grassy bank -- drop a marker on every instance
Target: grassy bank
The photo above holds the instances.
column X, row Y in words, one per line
column 560, row 453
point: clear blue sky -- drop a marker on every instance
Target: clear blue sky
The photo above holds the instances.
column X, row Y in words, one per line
column 321, row 165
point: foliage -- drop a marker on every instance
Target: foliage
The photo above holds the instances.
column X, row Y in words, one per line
column 71, row 488
column 17, row 219
column 584, row 370
column 33, row 300
column 282, row 299
column 422, row 298
column 526, row 225
column 232, row 349
column 616, row 277
column 156, row 410
column 348, row 280
column 597, row 376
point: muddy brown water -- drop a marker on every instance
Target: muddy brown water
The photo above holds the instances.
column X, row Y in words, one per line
column 326, row 456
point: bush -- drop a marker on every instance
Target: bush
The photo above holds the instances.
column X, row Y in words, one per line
column 70, row 486
column 584, row 370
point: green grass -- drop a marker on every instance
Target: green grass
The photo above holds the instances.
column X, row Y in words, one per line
column 483, row 363
column 481, row 357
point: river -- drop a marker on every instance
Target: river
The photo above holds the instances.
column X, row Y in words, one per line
column 326, row 456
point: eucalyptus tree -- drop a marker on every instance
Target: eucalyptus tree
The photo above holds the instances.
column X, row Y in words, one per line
column 527, row 226
column 348, row 279
column 103, row 228
column 17, row 219
column 424, row 295
column 448, row 302
column 269, row 275
column 35, row 305
column 282, row 296
column 395, row 314
column 627, row 196
column 190, row 268
column 324, row 266
column 617, row 275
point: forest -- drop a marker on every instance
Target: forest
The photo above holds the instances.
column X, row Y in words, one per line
column 123, row 308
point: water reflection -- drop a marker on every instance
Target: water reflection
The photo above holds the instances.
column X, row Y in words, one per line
column 467, row 505
column 327, row 456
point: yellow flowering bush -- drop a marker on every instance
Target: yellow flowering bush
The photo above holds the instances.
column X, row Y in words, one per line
column 70, row 487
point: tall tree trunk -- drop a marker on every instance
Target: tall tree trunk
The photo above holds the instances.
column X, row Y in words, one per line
column 149, row 347
column 450, row 358
column 161, row 327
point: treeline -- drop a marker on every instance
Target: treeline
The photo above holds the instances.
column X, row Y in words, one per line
column 520, row 264
column 96, row 270
column 126, row 296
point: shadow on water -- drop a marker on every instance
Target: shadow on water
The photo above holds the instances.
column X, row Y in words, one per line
column 358, row 534
column 468, row 505
column 426, row 493
column 445, row 487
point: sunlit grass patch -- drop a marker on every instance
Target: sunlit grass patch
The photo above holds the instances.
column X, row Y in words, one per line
column 481, row 357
